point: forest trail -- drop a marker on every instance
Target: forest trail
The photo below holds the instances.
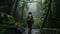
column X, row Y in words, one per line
column 34, row 31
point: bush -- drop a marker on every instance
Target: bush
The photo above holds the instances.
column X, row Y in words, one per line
column 8, row 21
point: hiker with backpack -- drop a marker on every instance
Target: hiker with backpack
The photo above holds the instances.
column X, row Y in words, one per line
column 29, row 21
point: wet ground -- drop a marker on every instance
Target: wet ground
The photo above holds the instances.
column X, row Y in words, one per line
column 34, row 31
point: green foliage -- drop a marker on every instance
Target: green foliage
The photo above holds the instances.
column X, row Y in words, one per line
column 52, row 17
column 8, row 20
column 50, row 31
column 20, row 26
column 11, row 21
column 36, row 24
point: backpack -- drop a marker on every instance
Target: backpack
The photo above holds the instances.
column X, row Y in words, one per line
column 29, row 19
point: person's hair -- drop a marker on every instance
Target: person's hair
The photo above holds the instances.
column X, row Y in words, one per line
column 30, row 13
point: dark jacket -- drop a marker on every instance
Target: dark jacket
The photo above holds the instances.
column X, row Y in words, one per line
column 29, row 19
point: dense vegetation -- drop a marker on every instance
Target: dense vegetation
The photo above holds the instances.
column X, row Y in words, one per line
column 51, row 22
column 8, row 19
column 52, row 14
column 13, row 12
